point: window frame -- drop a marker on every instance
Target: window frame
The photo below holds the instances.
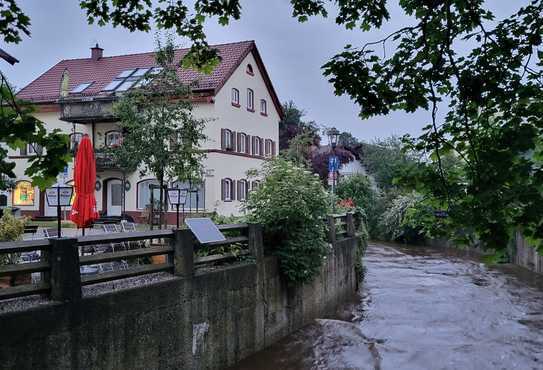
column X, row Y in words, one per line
column 263, row 107
column 250, row 70
column 242, row 195
column 109, row 145
column 228, row 184
column 235, row 97
column 74, row 145
column 228, row 139
column 242, row 142
column 268, row 145
column 138, row 192
column 250, row 100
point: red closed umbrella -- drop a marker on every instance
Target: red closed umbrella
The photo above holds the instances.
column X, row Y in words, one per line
column 84, row 207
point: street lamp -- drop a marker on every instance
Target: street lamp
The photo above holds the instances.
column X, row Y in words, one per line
column 333, row 137
column 178, row 197
column 333, row 162
column 59, row 196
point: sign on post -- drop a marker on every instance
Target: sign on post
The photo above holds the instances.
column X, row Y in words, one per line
column 333, row 163
column 65, row 196
column 205, row 230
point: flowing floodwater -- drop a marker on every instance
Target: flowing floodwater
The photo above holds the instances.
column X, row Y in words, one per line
column 423, row 308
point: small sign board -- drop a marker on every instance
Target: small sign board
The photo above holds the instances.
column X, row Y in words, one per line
column 441, row 214
column 177, row 196
column 205, row 230
column 333, row 163
column 65, row 196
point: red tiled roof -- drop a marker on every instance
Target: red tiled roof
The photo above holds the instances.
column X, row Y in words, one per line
column 46, row 88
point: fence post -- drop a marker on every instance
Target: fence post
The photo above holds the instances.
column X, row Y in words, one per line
column 183, row 255
column 350, row 226
column 65, row 274
column 256, row 243
column 332, row 229
column 256, row 248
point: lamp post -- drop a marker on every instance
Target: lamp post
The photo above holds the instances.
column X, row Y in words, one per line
column 177, row 197
column 333, row 161
column 59, row 196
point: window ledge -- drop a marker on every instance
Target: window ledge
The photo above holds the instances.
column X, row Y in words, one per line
column 250, row 73
column 250, row 110
column 237, row 105
column 264, row 114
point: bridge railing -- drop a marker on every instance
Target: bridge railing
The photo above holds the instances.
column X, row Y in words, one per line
column 68, row 264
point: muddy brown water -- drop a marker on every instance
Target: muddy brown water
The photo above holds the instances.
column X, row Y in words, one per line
column 423, row 308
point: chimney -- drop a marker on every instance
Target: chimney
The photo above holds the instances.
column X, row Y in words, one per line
column 96, row 52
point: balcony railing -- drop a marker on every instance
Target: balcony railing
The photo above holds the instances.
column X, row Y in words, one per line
column 86, row 109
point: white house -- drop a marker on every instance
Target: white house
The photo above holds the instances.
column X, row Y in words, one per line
column 238, row 96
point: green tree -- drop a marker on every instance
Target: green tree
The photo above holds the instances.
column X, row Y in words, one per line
column 292, row 125
column 19, row 128
column 161, row 134
column 292, row 205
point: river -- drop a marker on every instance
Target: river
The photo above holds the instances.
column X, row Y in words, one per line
column 423, row 308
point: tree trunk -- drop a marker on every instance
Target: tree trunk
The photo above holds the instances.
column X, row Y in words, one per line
column 161, row 205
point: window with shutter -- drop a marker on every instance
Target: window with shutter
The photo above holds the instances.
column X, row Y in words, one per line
column 227, row 190
column 250, row 100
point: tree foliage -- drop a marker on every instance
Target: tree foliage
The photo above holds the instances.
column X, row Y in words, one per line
column 292, row 205
column 292, row 125
column 160, row 134
column 19, row 128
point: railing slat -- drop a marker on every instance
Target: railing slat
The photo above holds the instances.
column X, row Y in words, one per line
column 115, row 256
column 23, row 268
column 24, row 246
column 235, row 239
column 219, row 257
column 123, row 237
column 23, row 290
column 226, row 227
column 116, row 275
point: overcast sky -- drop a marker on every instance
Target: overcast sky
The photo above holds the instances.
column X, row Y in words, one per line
column 293, row 54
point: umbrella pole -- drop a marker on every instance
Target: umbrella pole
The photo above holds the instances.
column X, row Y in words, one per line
column 83, row 232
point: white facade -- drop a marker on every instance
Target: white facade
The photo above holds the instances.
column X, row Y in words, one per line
column 221, row 164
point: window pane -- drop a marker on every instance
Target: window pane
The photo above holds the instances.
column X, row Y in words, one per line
column 192, row 196
column 125, row 73
column 116, row 194
column 112, row 85
column 144, row 193
column 140, row 72
column 126, row 85
column 81, row 87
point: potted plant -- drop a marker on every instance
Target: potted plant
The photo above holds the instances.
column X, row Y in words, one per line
column 11, row 229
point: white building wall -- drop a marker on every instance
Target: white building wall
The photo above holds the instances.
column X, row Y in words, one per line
column 220, row 114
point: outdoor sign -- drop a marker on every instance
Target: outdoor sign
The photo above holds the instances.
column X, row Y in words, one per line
column 332, row 177
column 441, row 214
column 65, row 196
column 205, row 230
column 177, row 196
column 333, row 163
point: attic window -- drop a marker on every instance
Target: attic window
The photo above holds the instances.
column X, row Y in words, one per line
column 81, row 87
column 250, row 70
column 127, row 79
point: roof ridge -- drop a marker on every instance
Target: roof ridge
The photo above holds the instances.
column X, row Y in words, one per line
column 152, row 52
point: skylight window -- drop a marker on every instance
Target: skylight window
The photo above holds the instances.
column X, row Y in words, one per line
column 126, row 73
column 140, row 72
column 135, row 77
column 81, row 87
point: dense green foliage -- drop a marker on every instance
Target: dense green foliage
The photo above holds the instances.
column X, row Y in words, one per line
column 19, row 128
column 292, row 205
column 160, row 134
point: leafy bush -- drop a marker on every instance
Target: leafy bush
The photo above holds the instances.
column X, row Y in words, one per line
column 393, row 220
column 364, row 196
column 291, row 204
column 11, row 229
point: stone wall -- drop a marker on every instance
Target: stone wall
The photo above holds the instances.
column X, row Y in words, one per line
column 208, row 321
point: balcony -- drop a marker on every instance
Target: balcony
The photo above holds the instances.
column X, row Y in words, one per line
column 104, row 161
column 86, row 109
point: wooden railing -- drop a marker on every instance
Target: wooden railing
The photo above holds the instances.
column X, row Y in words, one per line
column 62, row 261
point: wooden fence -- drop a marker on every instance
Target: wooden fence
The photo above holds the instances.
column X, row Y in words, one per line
column 62, row 260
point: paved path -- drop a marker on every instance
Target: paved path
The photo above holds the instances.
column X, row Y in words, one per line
column 422, row 308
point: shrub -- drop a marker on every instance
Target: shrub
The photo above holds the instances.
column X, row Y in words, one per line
column 292, row 204
column 11, row 229
column 393, row 221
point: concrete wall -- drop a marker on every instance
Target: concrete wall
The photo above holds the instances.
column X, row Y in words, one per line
column 209, row 321
column 527, row 256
